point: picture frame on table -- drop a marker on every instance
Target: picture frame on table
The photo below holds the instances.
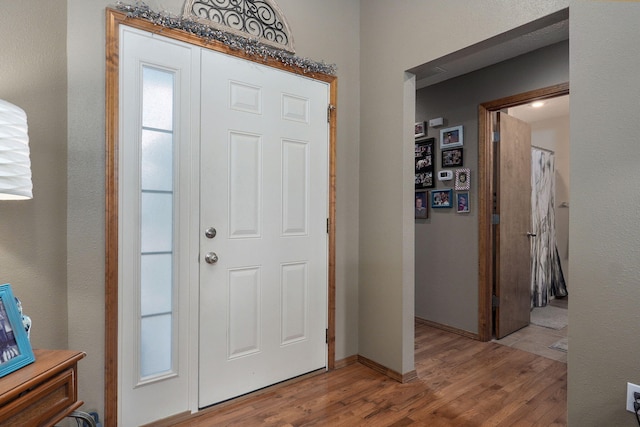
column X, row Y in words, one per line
column 424, row 157
column 451, row 137
column 420, row 129
column 452, row 158
column 463, row 179
column 462, row 202
column 422, row 211
column 15, row 348
column 441, row 198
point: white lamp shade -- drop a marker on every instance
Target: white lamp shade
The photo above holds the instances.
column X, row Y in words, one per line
column 15, row 166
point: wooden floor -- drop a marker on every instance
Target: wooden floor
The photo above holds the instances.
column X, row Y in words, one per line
column 462, row 382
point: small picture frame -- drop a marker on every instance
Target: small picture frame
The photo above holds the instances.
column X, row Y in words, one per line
column 424, row 157
column 16, row 349
column 441, row 198
column 463, row 179
column 452, row 158
column 462, row 202
column 451, row 137
column 420, row 130
column 422, row 211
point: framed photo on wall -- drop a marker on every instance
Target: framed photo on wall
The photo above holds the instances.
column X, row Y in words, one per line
column 452, row 158
column 463, row 179
column 451, row 137
column 422, row 211
column 16, row 349
column 420, row 130
column 441, row 198
column 462, row 202
column 424, row 164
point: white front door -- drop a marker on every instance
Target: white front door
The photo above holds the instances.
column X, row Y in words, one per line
column 208, row 140
column 264, row 189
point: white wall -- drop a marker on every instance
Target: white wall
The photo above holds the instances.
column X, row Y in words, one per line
column 33, row 232
column 604, row 314
column 323, row 30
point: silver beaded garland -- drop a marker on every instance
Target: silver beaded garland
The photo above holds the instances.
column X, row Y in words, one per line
column 248, row 45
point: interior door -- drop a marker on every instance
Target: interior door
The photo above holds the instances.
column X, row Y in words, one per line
column 513, row 278
column 264, row 202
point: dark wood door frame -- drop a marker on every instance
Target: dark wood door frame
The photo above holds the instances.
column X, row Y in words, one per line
column 486, row 189
column 113, row 20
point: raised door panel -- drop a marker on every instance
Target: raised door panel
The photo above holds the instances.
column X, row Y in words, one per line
column 264, row 187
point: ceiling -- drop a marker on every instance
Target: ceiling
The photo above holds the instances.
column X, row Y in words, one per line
column 553, row 107
column 529, row 37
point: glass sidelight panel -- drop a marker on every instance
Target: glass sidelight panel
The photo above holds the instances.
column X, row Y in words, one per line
column 156, row 221
column 157, row 98
column 157, row 160
column 155, row 351
column 157, row 216
column 155, row 283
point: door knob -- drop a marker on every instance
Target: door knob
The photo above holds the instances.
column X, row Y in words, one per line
column 210, row 232
column 211, row 258
column 530, row 234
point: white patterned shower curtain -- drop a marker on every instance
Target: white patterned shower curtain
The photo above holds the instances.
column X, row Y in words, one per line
column 546, row 272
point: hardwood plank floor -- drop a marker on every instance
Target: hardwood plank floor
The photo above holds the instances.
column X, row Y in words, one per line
column 461, row 382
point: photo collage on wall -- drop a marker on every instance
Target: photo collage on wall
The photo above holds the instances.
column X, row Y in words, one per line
column 424, row 151
column 424, row 164
column 426, row 175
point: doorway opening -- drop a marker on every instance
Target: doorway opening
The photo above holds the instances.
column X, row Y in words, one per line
column 545, row 333
column 486, row 196
column 452, row 287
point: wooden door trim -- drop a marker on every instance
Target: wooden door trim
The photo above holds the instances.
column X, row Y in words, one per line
column 486, row 188
column 114, row 19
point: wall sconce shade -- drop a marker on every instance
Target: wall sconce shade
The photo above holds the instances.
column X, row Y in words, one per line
column 15, row 166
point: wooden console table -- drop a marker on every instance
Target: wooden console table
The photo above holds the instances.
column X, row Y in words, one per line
column 43, row 392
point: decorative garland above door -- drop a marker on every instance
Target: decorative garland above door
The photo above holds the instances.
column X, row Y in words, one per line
column 244, row 25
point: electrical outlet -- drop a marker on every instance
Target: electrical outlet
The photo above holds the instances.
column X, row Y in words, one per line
column 631, row 388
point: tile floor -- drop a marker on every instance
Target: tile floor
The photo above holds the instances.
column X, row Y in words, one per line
column 537, row 339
